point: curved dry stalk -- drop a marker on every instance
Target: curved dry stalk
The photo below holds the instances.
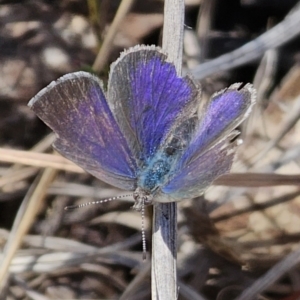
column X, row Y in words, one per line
column 275, row 273
column 102, row 55
column 279, row 35
column 35, row 159
column 28, row 210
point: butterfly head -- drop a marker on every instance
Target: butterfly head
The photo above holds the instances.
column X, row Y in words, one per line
column 141, row 198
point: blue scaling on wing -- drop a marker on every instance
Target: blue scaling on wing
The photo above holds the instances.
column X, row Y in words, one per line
column 148, row 98
column 210, row 153
column 75, row 108
column 194, row 179
column 149, row 135
column 217, row 118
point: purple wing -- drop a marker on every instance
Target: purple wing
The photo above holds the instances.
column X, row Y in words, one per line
column 75, row 108
column 223, row 113
column 148, row 98
column 194, row 179
column 210, row 153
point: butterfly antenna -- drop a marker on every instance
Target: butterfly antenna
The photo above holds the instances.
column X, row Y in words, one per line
column 143, row 231
column 96, row 202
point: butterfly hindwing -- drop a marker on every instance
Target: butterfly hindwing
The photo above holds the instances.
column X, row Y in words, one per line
column 194, row 179
column 210, row 153
column 217, row 118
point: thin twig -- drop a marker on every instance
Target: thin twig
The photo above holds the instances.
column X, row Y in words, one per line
column 25, row 217
column 280, row 34
column 36, row 159
column 263, row 82
column 288, row 123
column 137, row 281
column 262, row 283
column 102, row 56
column 257, row 180
column 204, row 24
column 164, row 236
column 189, row 293
column 43, row 160
column 257, row 207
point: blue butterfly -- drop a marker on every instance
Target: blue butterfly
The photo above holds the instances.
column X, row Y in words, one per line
column 150, row 132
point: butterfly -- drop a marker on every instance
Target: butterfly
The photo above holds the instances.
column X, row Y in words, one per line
column 150, row 132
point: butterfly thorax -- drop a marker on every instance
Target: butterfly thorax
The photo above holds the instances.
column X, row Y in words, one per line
column 158, row 170
column 154, row 174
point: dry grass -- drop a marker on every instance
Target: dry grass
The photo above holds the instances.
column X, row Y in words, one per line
column 241, row 237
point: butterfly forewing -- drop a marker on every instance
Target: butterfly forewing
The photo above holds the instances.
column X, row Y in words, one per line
column 75, row 108
column 148, row 98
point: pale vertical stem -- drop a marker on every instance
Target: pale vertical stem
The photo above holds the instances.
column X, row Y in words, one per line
column 173, row 31
column 164, row 236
